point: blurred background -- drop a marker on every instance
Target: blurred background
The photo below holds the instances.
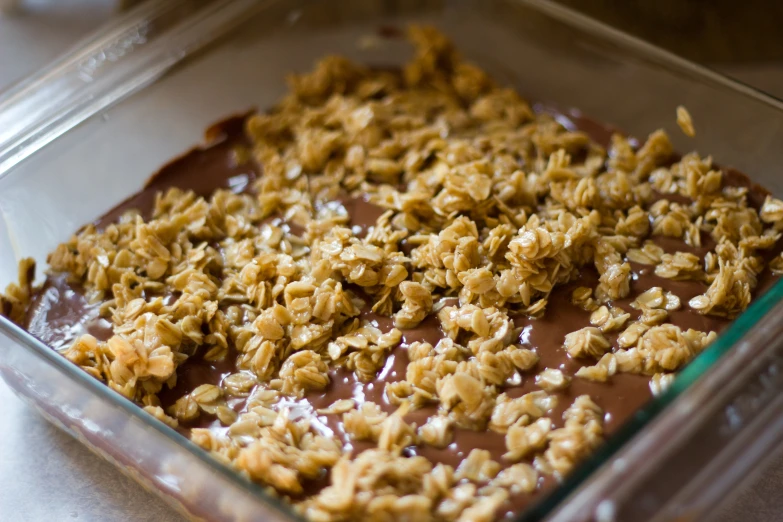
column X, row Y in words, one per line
column 715, row 31
column 45, row 475
column 741, row 39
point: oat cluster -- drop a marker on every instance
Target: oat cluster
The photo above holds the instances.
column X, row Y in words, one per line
column 485, row 202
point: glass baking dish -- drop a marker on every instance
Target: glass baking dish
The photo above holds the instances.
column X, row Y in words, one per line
column 83, row 134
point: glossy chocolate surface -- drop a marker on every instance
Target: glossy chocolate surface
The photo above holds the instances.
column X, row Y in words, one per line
column 60, row 313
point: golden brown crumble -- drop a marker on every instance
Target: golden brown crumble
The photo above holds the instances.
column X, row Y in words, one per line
column 499, row 205
column 685, row 122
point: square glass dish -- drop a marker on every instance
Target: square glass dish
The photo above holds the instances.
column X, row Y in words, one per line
column 83, row 134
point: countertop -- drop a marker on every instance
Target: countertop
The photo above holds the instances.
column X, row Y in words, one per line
column 45, row 475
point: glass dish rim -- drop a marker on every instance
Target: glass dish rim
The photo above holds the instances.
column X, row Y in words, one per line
column 549, row 502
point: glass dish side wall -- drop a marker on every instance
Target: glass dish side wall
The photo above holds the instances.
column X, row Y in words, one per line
column 99, row 151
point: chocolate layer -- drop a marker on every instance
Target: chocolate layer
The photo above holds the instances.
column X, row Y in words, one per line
column 60, row 313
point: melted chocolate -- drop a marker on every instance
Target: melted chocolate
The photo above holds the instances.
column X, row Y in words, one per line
column 60, row 312
column 574, row 120
column 361, row 214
